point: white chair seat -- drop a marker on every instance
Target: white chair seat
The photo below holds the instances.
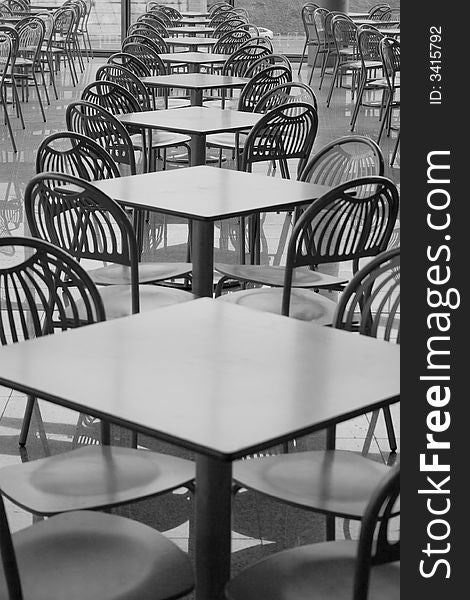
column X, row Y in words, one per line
column 117, row 299
column 93, row 477
column 148, row 273
column 224, row 140
column 305, row 305
column 335, row 481
column 322, row 571
column 274, row 276
column 86, row 555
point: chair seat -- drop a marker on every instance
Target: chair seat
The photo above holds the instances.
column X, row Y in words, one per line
column 224, row 140
column 86, row 555
column 148, row 273
column 274, row 276
column 338, row 482
column 162, row 139
column 304, row 305
column 93, row 477
column 323, row 571
column 117, row 298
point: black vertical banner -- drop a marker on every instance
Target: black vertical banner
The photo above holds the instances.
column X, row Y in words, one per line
column 435, row 154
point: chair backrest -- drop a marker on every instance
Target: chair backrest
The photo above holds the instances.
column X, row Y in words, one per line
column 172, row 13
column 286, row 132
column 354, row 220
column 113, row 97
column 268, row 60
column 344, row 159
column 260, row 84
column 64, row 19
column 74, row 215
column 240, row 61
column 259, row 40
column 219, row 6
column 231, row 41
column 390, row 53
column 131, row 63
column 370, row 303
column 6, row 47
column 377, row 548
column 40, row 287
column 154, row 29
column 129, row 81
column 319, row 23
column 220, row 16
column 77, row 155
column 156, row 43
column 15, row 6
column 157, row 16
column 376, row 12
column 104, row 128
column 5, row 11
column 147, row 54
column 292, row 91
column 307, row 13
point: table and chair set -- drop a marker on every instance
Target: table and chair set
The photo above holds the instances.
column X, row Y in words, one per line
column 252, row 355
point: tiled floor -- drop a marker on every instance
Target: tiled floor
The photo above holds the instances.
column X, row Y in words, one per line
column 260, row 526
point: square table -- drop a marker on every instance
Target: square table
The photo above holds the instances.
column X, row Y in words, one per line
column 198, row 30
column 196, row 83
column 194, row 59
column 196, row 121
column 224, row 381
column 374, row 23
column 191, row 42
column 194, row 21
column 194, row 14
column 205, row 195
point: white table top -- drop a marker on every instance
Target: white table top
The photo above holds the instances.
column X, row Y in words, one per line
column 209, row 193
column 219, row 379
column 193, row 58
column 202, row 81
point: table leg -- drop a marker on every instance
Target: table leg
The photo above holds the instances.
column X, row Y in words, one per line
column 198, row 150
column 213, row 527
column 202, row 257
column 196, row 97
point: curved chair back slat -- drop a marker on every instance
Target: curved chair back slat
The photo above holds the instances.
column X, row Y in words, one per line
column 231, row 41
column 270, row 60
column 260, row 84
column 126, row 79
column 130, row 62
column 240, row 61
column 284, row 93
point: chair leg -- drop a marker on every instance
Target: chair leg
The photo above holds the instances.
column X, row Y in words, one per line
column 333, row 81
column 390, row 429
column 302, row 57
column 28, row 413
column 395, row 150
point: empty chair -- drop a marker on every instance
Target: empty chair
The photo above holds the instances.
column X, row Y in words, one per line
column 377, row 11
column 228, row 25
column 346, row 57
column 352, row 221
column 91, row 226
column 284, row 93
column 339, row 161
column 6, row 47
column 231, row 41
column 311, row 39
column 336, row 482
column 46, row 559
column 156, row 43
column 132, row 63
column 358, row 570
column 260, row 40
column 250, row 95
column 128, row 80
column 269, row 60
column 153, row 29
column 390, row 53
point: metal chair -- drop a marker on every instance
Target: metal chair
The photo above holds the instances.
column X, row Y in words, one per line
column 352, row 221
column 367, row 568
column 259, row 40
column 156, row 16
column 368, row 42
column 75, row 215
column 284, row 93
column 231, row 41
column 339, row 161
column 118, row 100
column 156, row 43
column 6, row 47
column 270, row 60
column 38, row 287
column 345, row 52
column 323, row 481
column 311, row 39
column 250, row 95
column 228, row 25
column 325, row 42
column 62, row 44
column 153, row 30
column 147, row 52
column 390, row 53
column 132, row 63
column 104, row 128
column 377, row 11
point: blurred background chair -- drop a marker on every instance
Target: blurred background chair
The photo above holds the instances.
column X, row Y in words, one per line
column 311, row 39
column 49, row 291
